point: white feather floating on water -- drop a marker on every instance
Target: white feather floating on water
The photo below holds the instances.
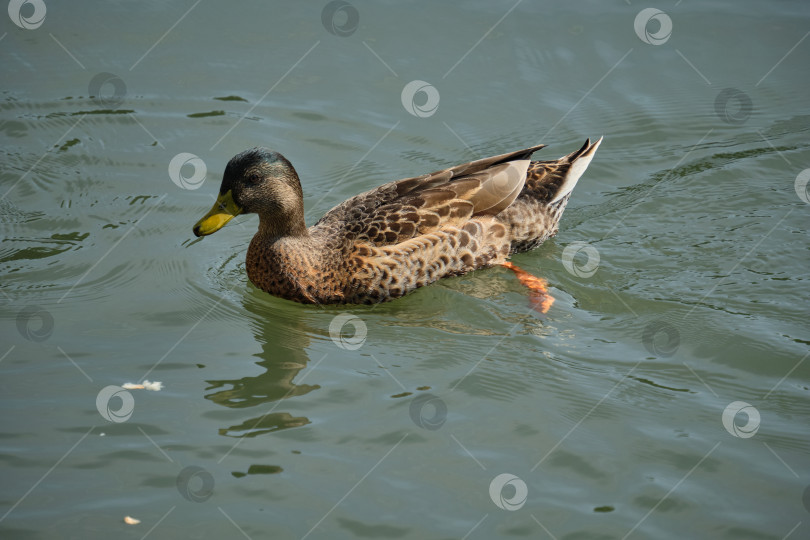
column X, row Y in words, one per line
column 155, row 386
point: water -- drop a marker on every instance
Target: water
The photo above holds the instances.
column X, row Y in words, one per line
column 609, row 409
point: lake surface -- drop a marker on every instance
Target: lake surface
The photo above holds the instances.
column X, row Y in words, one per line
column 666, row 394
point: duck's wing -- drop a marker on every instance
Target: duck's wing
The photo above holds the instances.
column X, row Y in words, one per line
column 398, row 211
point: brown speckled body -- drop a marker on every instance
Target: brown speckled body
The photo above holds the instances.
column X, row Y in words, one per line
column 388, row 241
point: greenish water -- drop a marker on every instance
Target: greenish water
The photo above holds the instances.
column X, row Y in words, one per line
column 608, row 412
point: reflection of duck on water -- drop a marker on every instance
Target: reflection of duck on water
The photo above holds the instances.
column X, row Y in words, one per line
column 283, row 356
column 402, row 235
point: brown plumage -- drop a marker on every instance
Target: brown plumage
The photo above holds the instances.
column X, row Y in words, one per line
column 402, row 235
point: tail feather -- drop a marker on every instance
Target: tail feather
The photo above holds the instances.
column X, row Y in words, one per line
column 535, row 214
column 577, row 164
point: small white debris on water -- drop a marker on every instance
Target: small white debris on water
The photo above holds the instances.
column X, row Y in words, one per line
column 145, row 385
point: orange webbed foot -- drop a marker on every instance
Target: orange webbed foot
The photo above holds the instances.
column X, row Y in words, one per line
column 539, row 297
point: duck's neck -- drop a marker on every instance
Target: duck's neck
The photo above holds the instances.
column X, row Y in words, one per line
column 275, row 227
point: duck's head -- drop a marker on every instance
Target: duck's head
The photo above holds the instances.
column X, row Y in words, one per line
column 258, row 181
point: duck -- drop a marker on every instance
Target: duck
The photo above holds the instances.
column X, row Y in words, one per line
column 390, row 240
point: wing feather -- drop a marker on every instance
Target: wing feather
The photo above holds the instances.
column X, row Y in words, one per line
column 401, row 210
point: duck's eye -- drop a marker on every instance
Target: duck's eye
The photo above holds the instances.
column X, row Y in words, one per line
column 254, row 179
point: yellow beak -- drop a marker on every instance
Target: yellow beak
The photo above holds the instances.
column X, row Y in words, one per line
column 224, row 210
